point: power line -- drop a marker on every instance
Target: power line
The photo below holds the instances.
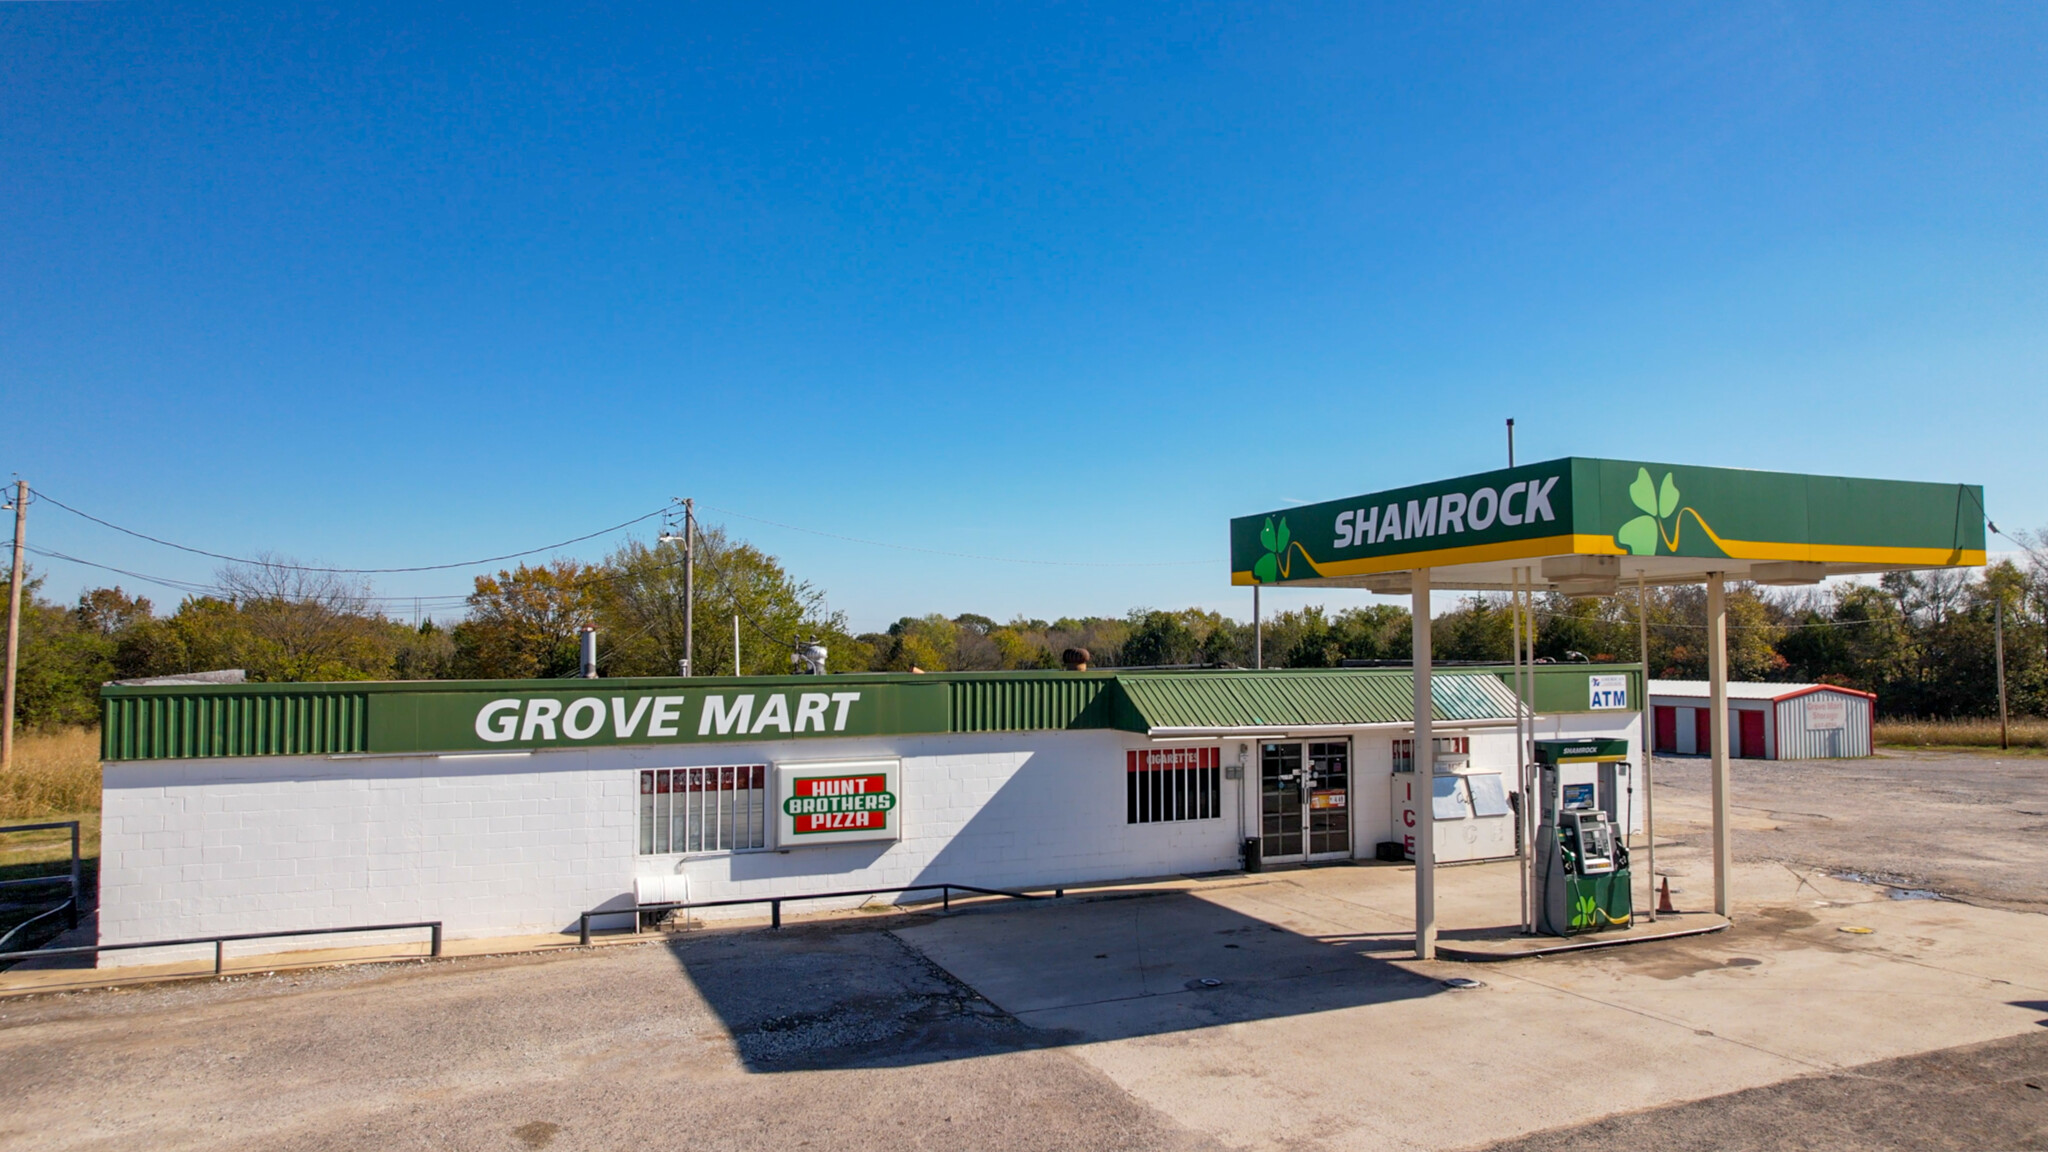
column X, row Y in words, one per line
column 353, row 571
column 966, row 555
column 199, row 589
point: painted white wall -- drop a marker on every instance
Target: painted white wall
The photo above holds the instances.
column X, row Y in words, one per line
column 514, row 844
column 497, row 845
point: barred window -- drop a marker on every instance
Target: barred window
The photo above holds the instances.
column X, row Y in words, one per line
column 719, row 809
column 1162, row 784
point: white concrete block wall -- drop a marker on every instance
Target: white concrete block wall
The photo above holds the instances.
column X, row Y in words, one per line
column 488, row 845
column 506, row 845
column 1000, row 810
column 510, row 844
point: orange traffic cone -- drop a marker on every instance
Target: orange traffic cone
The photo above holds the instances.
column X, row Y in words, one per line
column 1664, row 898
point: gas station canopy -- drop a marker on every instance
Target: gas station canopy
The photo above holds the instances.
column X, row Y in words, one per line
column 1585, row 525
column 1581, row 527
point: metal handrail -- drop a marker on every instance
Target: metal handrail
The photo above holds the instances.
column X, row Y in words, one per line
column 75, row 878
column 69, row 905
column 775, row 903
column 218, row 942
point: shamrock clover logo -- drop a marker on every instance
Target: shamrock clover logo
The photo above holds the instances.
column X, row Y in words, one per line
column 1583, row 910
column 1641, row 534
column 1267, row 570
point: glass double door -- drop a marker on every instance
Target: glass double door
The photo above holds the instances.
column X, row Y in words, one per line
column 1304, row 801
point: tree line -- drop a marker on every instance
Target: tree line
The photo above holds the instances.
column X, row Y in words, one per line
column 1922, row 641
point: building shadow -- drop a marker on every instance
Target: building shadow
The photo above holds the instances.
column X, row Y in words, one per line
column 928, row 987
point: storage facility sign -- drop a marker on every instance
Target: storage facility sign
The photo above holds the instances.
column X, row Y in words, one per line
column 1825, row 711
column 835, row 801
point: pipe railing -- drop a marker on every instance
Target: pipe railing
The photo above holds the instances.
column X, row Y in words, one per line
column 220, row 942
column 75, row 878
column 775, row 903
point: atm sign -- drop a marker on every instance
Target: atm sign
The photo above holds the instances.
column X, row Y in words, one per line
column 839, row 803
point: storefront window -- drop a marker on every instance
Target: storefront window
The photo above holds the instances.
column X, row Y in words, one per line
column 1164, row 784
column 722, row 809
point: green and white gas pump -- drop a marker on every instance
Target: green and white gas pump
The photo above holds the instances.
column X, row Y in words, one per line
column 1586, row 794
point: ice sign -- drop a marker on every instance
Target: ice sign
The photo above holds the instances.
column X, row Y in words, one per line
column 1608, row 692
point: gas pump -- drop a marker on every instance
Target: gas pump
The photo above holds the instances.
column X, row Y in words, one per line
column 1583, row 882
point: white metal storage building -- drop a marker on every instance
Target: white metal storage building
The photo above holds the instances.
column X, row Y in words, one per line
column 1765, row 721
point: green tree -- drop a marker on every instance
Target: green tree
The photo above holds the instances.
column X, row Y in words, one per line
column 637, row 599
column 1479, row 628
column 61, row 663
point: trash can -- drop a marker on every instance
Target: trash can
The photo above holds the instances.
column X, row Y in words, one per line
column 1252, row 863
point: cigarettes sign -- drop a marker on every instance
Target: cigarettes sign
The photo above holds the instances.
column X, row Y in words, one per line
column 836, row 801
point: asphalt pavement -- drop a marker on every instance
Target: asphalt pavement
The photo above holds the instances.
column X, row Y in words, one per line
column 1273, row 1011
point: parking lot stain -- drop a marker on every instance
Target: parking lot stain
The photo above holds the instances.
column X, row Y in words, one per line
column 536, row 1133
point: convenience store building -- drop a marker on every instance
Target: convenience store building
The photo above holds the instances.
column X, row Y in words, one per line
column 511, row 807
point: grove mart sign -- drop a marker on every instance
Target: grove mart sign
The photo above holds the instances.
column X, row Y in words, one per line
column 1615, row 508
column 509, row 719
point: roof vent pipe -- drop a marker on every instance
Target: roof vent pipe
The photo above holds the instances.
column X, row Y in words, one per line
column 1076, row 659
column 589, row 637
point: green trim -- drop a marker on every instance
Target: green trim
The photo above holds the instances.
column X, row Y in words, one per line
column 1580, row 751
column 456, row 716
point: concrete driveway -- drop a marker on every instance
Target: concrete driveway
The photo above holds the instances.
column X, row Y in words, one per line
column 1090, row 1024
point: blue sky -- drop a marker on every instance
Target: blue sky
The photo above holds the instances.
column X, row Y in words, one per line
column 390, row 286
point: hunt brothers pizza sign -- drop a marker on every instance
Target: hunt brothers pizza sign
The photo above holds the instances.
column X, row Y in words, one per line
column 836, row 801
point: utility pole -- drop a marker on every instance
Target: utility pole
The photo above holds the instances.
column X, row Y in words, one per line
column 1997, row 615
column 13, row 625
column 689, row 539
column 735, row 645
column 690, row 587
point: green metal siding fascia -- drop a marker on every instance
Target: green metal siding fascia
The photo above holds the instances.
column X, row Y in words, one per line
column 1016, row 705
column 186, row 721
column 1303, row 699
column 313, row 721
column 1565, row 687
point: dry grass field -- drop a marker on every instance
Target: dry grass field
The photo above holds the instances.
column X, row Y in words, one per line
column 2028, row 732
column 55, row 773
column 55, row 776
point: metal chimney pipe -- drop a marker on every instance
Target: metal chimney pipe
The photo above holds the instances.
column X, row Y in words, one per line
column 589, row 652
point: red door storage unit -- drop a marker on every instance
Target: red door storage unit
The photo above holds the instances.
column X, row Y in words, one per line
column 1752, row 729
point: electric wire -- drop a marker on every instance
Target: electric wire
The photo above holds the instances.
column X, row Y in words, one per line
column 199, row 589
column 356, row 571
column 964, row 555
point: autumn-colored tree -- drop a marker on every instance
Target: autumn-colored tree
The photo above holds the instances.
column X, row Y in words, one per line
column 524, row 624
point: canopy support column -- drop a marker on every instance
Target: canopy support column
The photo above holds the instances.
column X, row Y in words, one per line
column 1425, row 773
column 1717, row 735
column 1649, row 737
